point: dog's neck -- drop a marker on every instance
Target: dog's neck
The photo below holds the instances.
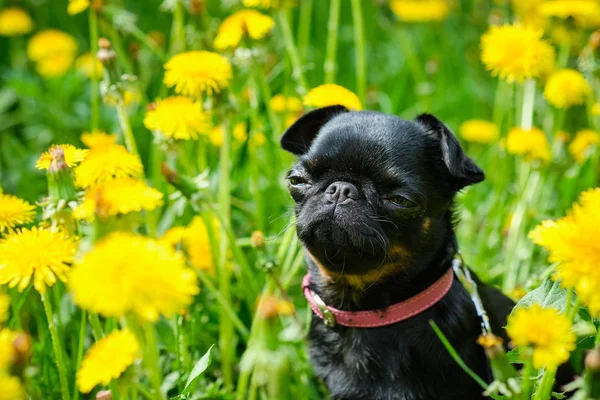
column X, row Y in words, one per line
column 343, row 293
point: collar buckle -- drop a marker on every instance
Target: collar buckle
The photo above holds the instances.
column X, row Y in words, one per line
column 328, row 317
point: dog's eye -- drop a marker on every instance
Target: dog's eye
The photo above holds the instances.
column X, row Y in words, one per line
column 401, row 201
column 297, row 181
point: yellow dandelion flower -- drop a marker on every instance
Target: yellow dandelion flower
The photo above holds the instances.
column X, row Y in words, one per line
column 118, row 197
column 4, row 308
column 586, row 12
column 257, row 140
column 545, row 331
column 89, row 65
column 39, row 253
column 98, row 139
column 581, row 146
column 573, row 242
column 420, row 10
column 197, row 72
column 105, row 164
column 14, row 212
column 107, row 359
column 282, row 104
column 15, row 22
column 173, row 236
column 273, row 4
column 244, row 22
column 215, row 136
column 73, row 156
column 531, row 144
column 7, row 349
column 596, row 109
column 197, row 245
column 331, row 94
column 528, row 12
column 177, row 117
column 12, row 389
column 53, row 51
column 479, row 131
column 516, row 53
column 566, row 88
column 77, row 6
column 240, row 132
column 157, row 283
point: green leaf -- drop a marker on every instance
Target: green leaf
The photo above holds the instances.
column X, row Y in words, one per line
column 549, row 295
column 198, row 369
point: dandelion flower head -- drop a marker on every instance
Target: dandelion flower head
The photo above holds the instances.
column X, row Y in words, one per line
column 158, row 283
column 43, row 255
column 14, row 212
column 106, row 163
column 545, row 331
column 178, row 117
column 420, row 10
column 15, row 22
column 331, row 94
column 573, row 242
column 516, row 52
column 77, row 6
column 89, row 65
column 98, row 139
column 531, row 144
column 479, row 131
column 244, row 22
column 72, row 155
column 53, row 51
column 195, row 73
column 107, row 359
column 118, row 197
column 566, row 88
column 583, row 143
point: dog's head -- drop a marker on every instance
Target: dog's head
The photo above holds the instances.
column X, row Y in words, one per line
column 373, row 192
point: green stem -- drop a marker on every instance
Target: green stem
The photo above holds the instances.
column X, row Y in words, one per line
column 224, row 206
column 528, row 103
column 359, row 50
column 58, row 350
column 178, row 29
column 82, row 327
column 332, row 40
column 545, row 388
column 96, row 326
column 527, row 382
column 226, row 307
column 146, row 41
column 292, row 51
column 456, row 356
column 151, row 360
column 573, row 312
column 304, row 26
column 126, row 128
column 94, row 93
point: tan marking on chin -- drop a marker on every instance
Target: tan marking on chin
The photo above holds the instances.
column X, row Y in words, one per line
column 426, row 225
column 364, row 280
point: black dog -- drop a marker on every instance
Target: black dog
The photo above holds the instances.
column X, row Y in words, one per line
column 374, row 200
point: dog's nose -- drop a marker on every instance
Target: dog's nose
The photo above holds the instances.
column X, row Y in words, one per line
column 341, row 192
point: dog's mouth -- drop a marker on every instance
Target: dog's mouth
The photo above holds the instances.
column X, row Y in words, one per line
column 340, row 249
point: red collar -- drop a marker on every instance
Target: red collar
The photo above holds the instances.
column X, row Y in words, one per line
column 373, row 319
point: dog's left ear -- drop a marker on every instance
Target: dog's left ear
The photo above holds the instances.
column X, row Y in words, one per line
column 298, row 137
column 462, row 168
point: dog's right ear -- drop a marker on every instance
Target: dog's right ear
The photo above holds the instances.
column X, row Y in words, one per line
column 298, row 137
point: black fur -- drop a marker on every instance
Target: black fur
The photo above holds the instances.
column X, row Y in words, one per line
column 374, row 196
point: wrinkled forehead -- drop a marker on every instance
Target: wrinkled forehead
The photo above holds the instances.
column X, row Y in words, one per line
column 376, row 146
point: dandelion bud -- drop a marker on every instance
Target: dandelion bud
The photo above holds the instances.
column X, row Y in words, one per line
column 197, row 7
column 103, row 395
column 183, row 183
column 107, row 56
column 270, row 306
column 592, row 373
column 60, row 179
column 22, row 349
column 257, row 239
column 594, row 40
column 501, row 366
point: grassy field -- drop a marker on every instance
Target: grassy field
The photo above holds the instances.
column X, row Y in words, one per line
column 156, row 258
